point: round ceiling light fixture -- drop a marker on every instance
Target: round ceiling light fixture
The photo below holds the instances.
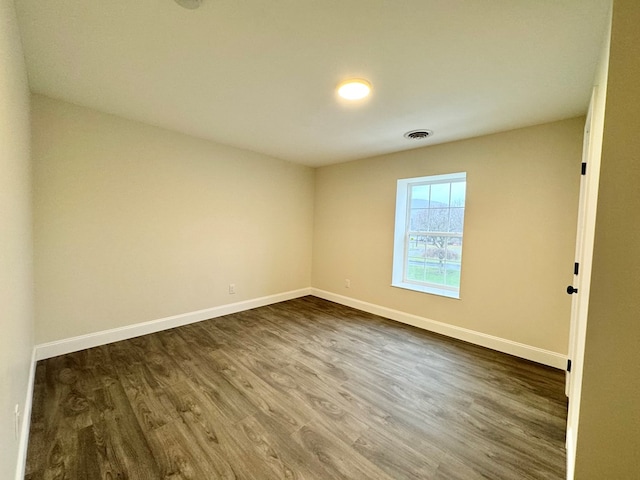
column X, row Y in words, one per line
column 354, row 89
column 418, row 134
column 189, row 4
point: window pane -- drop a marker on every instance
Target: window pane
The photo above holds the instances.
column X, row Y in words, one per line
column 440, row 194
column 420, row 196
column 417, row 247
column 452, row 275
column 438, row 219
column 416, row 258
column 416, row 271
column 454, row 250
column 436, row 249
column 419, row 219
column 456, row 219
column 434, row 274
column 458, row 194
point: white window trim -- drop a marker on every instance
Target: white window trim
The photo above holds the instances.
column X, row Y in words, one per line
column 400, row 249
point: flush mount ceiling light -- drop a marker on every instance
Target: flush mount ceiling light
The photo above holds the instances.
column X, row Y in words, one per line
column 190, row 4
column 354, row 89
column 418, row 134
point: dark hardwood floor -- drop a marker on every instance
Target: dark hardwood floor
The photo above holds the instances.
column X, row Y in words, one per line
column 304, row 389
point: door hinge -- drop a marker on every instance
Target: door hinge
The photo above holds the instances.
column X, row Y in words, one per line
column 584, row 168
column 576, row 268
column 568, row 365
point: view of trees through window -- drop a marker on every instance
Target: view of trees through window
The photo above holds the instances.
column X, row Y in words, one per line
column 434, row 233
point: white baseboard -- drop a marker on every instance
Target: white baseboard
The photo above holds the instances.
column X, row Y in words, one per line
column 535, row 354
column 26, row 421
column 74, row 344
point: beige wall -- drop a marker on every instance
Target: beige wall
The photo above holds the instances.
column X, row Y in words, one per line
column 16, row 332
column 135, row 223
column 608, row 442
column 522, row 190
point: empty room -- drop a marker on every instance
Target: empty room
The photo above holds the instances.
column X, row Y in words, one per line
column 359, row 239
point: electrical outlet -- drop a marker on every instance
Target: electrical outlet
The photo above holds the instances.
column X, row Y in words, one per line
column 16, row 417
column 232, row 288
column 347, row 283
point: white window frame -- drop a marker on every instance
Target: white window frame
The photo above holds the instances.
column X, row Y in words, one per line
column 401, row 235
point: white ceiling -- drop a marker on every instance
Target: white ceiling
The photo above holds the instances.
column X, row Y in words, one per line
column 261, row 74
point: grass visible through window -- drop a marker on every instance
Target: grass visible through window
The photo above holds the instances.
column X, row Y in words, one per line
column 433, row 274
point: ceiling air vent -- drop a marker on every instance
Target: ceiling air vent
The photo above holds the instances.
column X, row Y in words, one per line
column 418, row 134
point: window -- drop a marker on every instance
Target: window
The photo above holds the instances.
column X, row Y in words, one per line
column 427, row 254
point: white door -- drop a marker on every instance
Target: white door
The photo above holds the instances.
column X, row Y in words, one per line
column 573, row 288
column 592, row 149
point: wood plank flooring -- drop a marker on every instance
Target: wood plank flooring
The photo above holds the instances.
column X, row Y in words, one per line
column 304, row 389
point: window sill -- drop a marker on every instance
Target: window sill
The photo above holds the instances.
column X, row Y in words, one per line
column 425, row 289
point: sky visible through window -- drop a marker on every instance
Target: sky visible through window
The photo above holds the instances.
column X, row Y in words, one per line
column 440, row 194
